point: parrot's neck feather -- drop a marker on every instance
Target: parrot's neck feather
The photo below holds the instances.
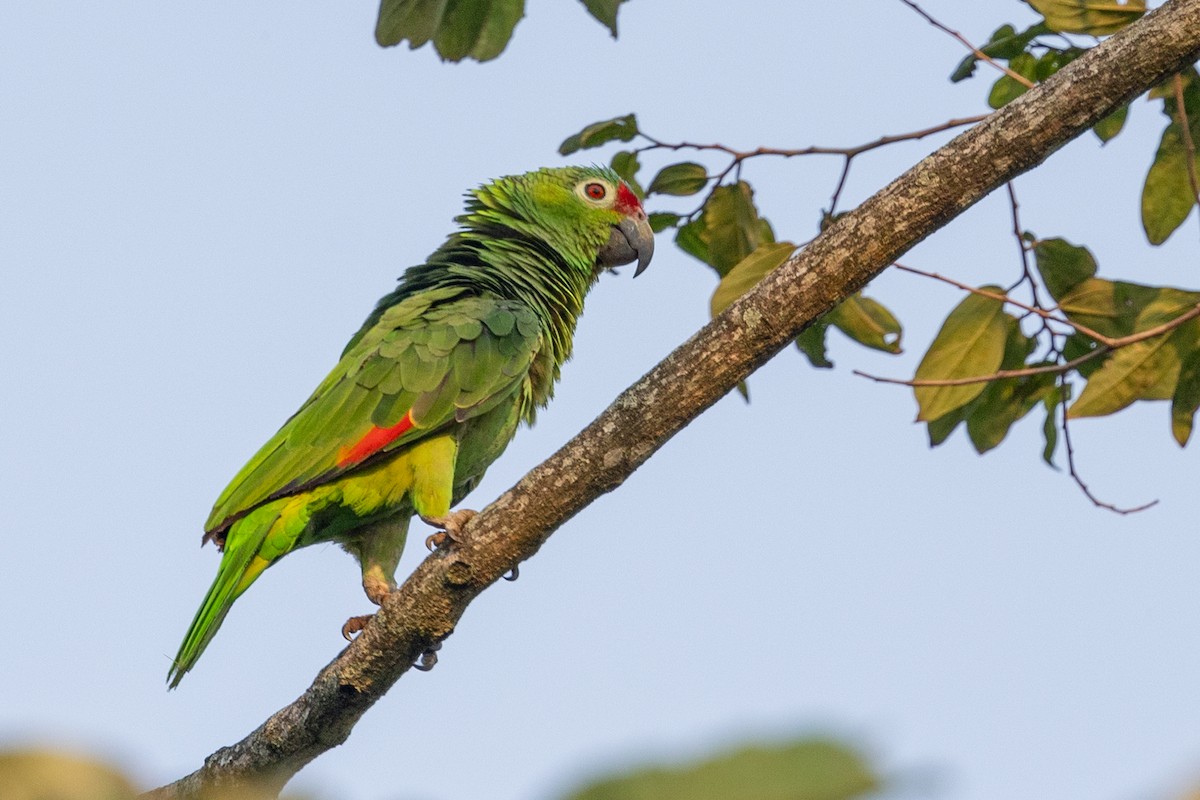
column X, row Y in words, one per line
column 505, row 263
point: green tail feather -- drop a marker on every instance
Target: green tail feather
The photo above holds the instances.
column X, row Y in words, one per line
column 233, row 577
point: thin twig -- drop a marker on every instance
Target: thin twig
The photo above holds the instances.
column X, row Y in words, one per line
column 1101, row 349
column 982, row 56
column 741, row 155
column 1189, row 146
column 1083, row 487
column 999, row 375
column 1041, row 312
column 847, row 153
column 1022, row 245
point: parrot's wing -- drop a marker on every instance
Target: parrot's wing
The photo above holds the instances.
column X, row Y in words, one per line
column 418, row 369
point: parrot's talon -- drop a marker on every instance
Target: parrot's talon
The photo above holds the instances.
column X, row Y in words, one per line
column 512, row 574
column 355, row 625
column 452, row 528
column 428, row 659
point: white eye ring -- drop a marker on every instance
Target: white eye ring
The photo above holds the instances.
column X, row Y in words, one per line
column 595, row 191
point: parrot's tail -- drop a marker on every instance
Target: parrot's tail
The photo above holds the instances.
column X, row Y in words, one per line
column 240, row 565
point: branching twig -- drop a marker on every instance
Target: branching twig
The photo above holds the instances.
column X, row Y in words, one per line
column 1048, row 316
column 1083, row 487
column 843, row 258
column 737, row 157
column 742, row 155
column 982, row 56
column 1107, row 345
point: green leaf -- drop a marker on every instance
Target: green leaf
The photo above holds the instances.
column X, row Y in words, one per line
column 1167, row 196
column 1063, row 265
column 625, row 163
column 660, row 221
column 605, row 11
column 1146, row 370
column 1079, row 345
column 811, row 342
column 1186, row 398
column 1006, row 89
column 679, row 179
column 1052, row 61
column 1051, row 402
column 1005, row 401
column 867, row 322
column 599, row 133
column 1095, row 17
column 808, row 769
column 1111, row 125
column 939, row 429
column 1005, row 44
column 969, row 344
column 748, row 272
column 478, row 29
column 1120, row 308
column 727, row 230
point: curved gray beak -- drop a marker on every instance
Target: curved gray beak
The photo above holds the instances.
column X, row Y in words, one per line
column 631, row 239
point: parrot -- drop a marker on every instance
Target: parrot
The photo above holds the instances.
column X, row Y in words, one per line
column 430, row 390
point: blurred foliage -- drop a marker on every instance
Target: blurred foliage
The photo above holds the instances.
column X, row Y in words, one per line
column 39, row 774
column 48, row 775
column 459, row 29
column 805, row 769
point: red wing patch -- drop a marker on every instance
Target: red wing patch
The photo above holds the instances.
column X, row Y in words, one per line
column 375, row 440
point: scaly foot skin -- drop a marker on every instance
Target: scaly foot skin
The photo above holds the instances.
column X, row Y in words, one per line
column 355, row 625
column 451, row 525
column 377, row 590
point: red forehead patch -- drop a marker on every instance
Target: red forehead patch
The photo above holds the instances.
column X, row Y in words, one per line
column 627, row 201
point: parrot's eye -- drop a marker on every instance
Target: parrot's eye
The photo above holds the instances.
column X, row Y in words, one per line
column 595, row 191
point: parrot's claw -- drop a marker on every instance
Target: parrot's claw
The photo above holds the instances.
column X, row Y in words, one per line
column 428, row 659
column 512, row 574
column 452, row 528
column 355, row 625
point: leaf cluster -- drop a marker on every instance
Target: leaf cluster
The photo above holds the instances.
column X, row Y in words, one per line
column 1102, row 338
column 460, row 29
column 1042, row 49
column 806, row 769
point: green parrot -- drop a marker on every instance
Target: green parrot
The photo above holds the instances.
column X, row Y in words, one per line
column 430, row 390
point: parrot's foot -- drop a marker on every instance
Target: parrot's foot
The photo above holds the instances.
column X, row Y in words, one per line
column 512, row 574
column 355, row 625
column 451, row 525
column 429, row 658
column 377, row 588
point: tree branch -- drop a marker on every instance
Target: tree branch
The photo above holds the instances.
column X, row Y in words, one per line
column 837, row 263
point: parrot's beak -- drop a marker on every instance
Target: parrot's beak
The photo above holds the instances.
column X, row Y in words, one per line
column 640, row 236
column 632, row 238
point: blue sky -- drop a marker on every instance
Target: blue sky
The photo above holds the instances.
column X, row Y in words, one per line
column 201, row 203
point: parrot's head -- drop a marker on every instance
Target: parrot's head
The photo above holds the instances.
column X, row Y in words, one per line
column 587, row 214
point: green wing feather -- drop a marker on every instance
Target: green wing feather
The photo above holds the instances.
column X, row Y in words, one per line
column 443, row 361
